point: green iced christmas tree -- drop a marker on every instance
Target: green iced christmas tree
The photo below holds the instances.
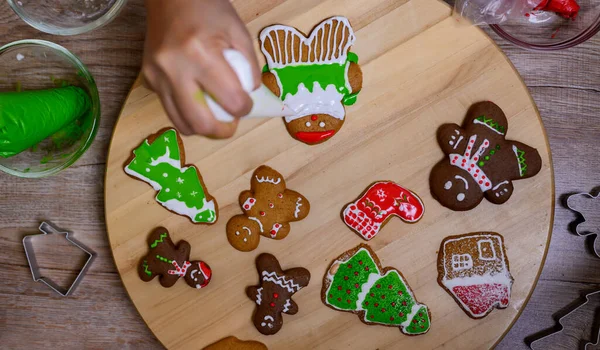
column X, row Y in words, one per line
column 179, row 188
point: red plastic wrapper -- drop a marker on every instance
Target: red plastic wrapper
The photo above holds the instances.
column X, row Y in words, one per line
column 566, row 8
column 482, row 12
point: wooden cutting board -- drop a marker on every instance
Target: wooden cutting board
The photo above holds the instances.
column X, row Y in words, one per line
column 421, row 69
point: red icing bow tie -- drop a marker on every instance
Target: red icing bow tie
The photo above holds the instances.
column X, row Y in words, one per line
column 179, row 271
column 565, row 8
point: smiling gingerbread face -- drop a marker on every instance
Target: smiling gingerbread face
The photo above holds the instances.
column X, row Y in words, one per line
column 315, row 76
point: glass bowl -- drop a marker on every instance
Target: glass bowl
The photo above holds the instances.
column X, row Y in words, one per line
column 67, row 17
column 546, row 31
column 37, row 65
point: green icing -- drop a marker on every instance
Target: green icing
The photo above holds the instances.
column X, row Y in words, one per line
column 352, row 57
column 159, row 240
column 29, row 117
column 163, row 259
column 349, row 100
column 291, row 77
column 348, row 280
column 420, row 323
column 146, row 269
column 492, row 124
column 522, row 161
column 179, row 189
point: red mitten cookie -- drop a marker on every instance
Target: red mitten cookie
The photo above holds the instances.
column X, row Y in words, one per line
column 268, row 207
column 474, row 269
column 170, row 262
column 480, row 161
column 273, row 295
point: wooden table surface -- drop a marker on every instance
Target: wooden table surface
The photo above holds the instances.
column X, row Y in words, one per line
column 565, row 86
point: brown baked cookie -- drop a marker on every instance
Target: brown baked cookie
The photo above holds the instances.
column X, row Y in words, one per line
column 273, row 294
column 355, row 282
column 159, row 161
column 315, row 76
column 268, row 207
column 233, row 343
column 474, row 269
column 170, row 262
column 480, row 161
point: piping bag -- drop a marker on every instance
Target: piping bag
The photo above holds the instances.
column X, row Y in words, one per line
column 266, row 104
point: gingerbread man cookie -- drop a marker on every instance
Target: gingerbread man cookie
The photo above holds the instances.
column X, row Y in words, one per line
column 268, row 207
column 480, row 162
column 273, row 295
column 170, row 262
column 233, row 343
column 315, row 76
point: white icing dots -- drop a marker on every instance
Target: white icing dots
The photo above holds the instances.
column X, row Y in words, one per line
column 147, row 170
column 165, row 175
column 460, row 197
column 322, row 124
column 448, row 185
column 308, row 124
column 168, row 190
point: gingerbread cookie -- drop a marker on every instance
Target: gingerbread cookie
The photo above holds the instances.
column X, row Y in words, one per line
column 273, row 295
column 480, row 161
column 170, row 262
column 268, row 207
column 159, row 162
column 382, row 200
column 315, row 76
column 474, row 269
column 355, row 282
column 233, row 343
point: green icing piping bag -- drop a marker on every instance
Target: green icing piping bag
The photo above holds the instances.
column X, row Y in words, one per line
column 29, row 117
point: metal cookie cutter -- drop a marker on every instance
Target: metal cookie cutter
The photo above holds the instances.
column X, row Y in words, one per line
column 568, row 336
column 588, row 207
column 48, row 229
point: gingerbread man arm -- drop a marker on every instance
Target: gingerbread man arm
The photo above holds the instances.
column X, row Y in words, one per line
column 265, row 179
column 278, row 233
column 355, row 77
column 160, row 235
column 452, row 139
column 252, row 293
column 270, row 81
column 500, row 193
column 297, row 206
column 301, row 276
column 488, row 115
column 292, row 308
column 167, row 280
column 184, row 249
column 244, row 198
column 528, row 160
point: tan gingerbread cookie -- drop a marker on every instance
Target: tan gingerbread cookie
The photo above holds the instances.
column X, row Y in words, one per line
column 233, row 343
column 268, row 207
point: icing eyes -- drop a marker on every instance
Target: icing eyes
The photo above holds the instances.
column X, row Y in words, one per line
column 322, row 124
column 460, row 197
column 448, row 185
column 308, row 124
column 280, row 195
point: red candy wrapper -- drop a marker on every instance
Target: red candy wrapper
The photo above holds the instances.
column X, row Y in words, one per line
column 566, row 8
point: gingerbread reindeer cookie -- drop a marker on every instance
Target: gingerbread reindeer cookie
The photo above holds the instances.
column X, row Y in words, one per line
column 170, row 262
column 268, row 207
column 480, row 162
column 315, row 76
column 273, row 295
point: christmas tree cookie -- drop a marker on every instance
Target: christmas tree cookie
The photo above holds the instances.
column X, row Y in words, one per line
column 356, row 282
column 159, row 161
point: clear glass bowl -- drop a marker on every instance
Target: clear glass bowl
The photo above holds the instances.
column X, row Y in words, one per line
column 546, row 31
column 67, row 17
column 36, row 65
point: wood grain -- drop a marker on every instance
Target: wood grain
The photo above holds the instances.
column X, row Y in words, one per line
column 565, row 86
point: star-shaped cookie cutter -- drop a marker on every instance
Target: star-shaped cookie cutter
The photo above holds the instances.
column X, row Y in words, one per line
column 587, row 346
column 48, row 229
column 590, row 225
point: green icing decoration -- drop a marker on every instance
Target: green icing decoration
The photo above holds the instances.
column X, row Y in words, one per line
column 146, row 269
column 481, row 164
column 352, row 57
column 291, row 77
column 348, row 280
column 492, row 124
column 522, row 161
column 265, row 68
column 420, row 323
column 179, row 188
column 29, row 117
column 159, row 240
column 163, row 259
column 388, row 301
column 349, row 100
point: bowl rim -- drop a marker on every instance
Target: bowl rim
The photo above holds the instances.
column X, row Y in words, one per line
column 53, row 29
column 96, row 107
column 582, row 37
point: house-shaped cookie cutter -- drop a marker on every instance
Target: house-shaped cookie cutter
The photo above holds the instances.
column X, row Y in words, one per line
column 48, row 229
column 580, row 229
column 587, row 346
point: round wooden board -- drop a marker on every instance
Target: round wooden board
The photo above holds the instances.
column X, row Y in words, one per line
column 421, row 69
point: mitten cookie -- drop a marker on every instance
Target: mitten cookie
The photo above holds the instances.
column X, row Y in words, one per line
column 268, row 207
column 170, row 262
column 473, row 268
column 159, row 162
column 355, row 282
column 384, row 199
column 233, row 343
column 480, row 161
column 273, row 295
column 315, row 76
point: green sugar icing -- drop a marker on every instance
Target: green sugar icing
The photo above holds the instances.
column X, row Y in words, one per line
column 29, row 117
column 179, row 188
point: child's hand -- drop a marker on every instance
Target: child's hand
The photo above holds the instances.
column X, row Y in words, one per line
column 184, row 54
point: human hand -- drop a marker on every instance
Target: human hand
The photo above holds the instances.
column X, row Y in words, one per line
column 183, row 55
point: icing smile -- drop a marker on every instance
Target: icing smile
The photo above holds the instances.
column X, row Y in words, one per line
column 314, row 136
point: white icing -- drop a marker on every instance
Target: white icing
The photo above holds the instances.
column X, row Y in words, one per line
column 448, row 185
column 461, row 262
column 319, row 101
column 276, row 227
column 268, row 179
column 516, row 150
column 259, row 296
column 308, row 124
column 322, row 124
column 286, row 306
column 498, row 185
column 298, row 205
column 460, row 197
column 463, row 179
column 489, row 127
column 491, row 246
column 488, row 278
column 458, row 142
column 281, row 281
column 250, row 203
column 365, row 288
column 470, row 165
column 166, row 158
column 258, row 221
column 413, row 311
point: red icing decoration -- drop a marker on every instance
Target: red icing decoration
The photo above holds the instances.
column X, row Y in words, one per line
column 272, row 304
column 262, row 213
column 251, row 200
column 315, row 136
column 280, row 195
column 481, row 298
column 314, row 118
column 275, row 295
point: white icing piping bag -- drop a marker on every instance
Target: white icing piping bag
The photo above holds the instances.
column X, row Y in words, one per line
column 266, row 104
